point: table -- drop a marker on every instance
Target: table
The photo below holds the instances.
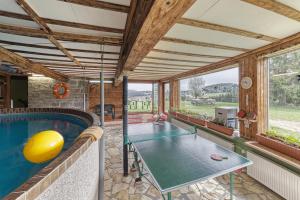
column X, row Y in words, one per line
column 175, row 157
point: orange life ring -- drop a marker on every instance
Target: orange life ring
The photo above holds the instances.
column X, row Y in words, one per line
column 57, row 90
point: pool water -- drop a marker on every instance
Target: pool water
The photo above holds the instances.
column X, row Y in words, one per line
column 15, row 130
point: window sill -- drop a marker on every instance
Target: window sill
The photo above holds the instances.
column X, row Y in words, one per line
column 286, row 160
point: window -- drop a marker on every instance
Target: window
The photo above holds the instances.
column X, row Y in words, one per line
column 201, row 95
column 139, row 97
column 284, row 95
column 167, row 97
column 155, row 98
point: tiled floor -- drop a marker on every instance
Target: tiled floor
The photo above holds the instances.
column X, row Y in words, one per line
column 125, row 188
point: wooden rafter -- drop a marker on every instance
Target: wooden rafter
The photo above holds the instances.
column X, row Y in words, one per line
column 177, row 60
column 73, row 65
column 59, row 55
column 55, row 48
column 146, row 31
column 26, row 7
column 284, row 43
column 158, row 70
column 277, row 7
column 100, row 4
column 203, row 44
column 23, row 63
column 165, row 67
column 189, row 54
column 60, row 36
column 62, row 23
column 226, row 29
column 167, row 64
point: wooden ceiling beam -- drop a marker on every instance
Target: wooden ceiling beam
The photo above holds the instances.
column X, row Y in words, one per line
column 203, row 44
column 177, row 60
column 101, row 5
column 281, row 44
column 189, row 54
column 23, row 63
column 151, row 21
column 226, row 29
column 55, row 48
column 62, row 23
column 73, row 65
column 167, row 64
column 165, row 67
column 59, row 55
column 277, row 7
column 60, row 36
column 27, row 8
column 157, row 70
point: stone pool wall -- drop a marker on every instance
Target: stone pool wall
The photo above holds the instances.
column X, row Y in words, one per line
column 80, row 181
column 40, row 94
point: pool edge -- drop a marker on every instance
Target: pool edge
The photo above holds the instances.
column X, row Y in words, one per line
column 37, row 184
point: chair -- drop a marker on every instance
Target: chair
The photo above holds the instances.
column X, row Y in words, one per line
column 109, row 109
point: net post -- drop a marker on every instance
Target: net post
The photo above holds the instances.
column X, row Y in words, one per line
column 231, row 179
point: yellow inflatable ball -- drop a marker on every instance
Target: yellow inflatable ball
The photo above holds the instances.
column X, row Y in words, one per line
column 43, row 146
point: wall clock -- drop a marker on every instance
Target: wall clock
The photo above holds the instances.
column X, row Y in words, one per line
column 246, row 82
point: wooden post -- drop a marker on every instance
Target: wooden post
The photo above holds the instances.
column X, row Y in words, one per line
column 174, row 95
column 248, row 97
column 160, row 97
column 152, row 96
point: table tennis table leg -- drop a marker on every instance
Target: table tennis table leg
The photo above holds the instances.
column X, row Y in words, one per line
column 169, row 196
column 231, row 179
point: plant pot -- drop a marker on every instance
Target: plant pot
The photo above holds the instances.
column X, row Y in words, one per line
column 197, row 121
column 278, row 145
column 174, row 114
column 182, row 116
column 219, row 128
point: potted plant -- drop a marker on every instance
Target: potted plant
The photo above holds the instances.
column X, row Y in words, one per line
column 173, row 113
column 287, row 144
column 198, row 119
column 219, row 125
column 182, row 114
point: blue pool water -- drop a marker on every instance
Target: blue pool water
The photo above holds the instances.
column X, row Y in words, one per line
column 15, row 129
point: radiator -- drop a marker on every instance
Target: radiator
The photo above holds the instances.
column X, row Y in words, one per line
column 278, row 179
column 216, row 139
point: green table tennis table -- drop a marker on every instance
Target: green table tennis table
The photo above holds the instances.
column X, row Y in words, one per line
column 176, row 158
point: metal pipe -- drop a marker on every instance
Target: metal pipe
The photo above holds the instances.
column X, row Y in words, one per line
column 101, row 142
column 125, row 125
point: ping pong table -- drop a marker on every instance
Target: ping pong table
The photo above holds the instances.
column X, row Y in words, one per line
column 176, row 158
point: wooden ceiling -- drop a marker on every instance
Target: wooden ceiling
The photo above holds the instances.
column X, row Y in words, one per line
column 66, row 37
column 214, row 32
column 146, row 39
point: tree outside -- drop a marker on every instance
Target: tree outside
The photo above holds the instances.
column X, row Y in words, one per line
column 196, row 85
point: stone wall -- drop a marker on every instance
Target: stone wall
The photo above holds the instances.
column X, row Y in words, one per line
column 40, row 94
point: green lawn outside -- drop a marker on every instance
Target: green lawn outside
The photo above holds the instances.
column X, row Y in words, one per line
column 209, row 110
column 140, row 107
column 276, row 112
column 285, row 113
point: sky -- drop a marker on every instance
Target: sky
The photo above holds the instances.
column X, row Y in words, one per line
column 225, row 76
column 140, row 86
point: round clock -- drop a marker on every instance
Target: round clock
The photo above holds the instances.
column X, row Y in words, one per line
column 246, row 82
